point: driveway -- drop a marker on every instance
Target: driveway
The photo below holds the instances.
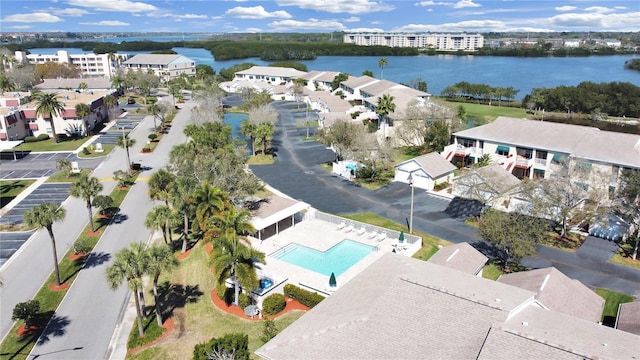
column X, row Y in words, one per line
column 298, row 173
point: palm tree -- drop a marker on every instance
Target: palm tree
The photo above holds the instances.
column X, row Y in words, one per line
column 48, row 106
column 159, row 218
column 232, row 258
column 43, row 216
column 248, row 129
column 6, row 84
column 82, row 110
column 159, row 185
column 110, row 102
column 210, row 200
column 182, row 198
column 117, row 82
column 64, row 164
column 83, row 86
column 385, row 107
column 382, row 63
column 126, row 142
column 160, row 258
column 129, row 266
column 155, row 110
column 86, row 187
column 265, row 131
column 232, row 221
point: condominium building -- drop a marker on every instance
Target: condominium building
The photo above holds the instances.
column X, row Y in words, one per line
column 442, row 42
column 166, row 66
column 92, row 65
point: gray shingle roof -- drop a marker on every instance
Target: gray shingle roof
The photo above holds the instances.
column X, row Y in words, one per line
column 629, row 317
column 578, row 141
column 154, row 59
column 495, row 177
column 356, row 82
column 462, row 257
column 558, row 292
column 273, row 71
column 433, row 164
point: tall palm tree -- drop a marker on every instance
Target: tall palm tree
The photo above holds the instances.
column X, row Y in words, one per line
column 159, row 218
column 82, row 111
column 129, row 266
column 6, row 84
column 48, row 106
column 265, row 131
column 155, row 110
column 248, row 129
column 117, row 82
column 385, row 107
column 231, row 221
column 159, row 185
column 233, row 258
column 382, row 63
column 86, row 187
column 126, row 142
column 110, row 102
column 181, row 196
column 210, row 201
column 160, row 258
column 43, row 216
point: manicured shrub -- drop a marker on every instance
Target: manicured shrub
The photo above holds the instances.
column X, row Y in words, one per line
column 86, row 151
column 43, row 137
column 303, row 296
column 62, row 136
column 273, row 304
column 146, row 149
column 222, row 348
column 152, row 137
column 30, row 139
column 27, row 311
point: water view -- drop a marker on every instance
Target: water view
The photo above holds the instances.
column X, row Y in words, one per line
column 440, row 71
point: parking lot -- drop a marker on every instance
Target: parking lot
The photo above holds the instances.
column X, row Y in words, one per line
column 26, row 174
column 10, row 242
column 52, row 192
column 123, row 126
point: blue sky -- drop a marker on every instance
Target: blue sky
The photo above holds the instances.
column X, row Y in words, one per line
column 318, row 15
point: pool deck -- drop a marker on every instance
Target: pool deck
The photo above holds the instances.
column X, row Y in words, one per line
column 319, row 235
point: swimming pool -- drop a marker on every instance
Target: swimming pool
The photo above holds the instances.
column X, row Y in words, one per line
column 336, row 259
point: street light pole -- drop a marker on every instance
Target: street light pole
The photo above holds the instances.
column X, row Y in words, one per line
column 411, row 207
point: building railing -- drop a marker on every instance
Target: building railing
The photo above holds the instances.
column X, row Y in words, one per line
column 391, row 234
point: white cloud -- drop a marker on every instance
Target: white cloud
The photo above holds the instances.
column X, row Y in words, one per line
column 599, row 9
column 456, row 5
column 339, row 6
column 114, row 5
column 68, row 12
column 469, row 26
column 352, row 19
column 33, row 17
column 254, row 30
column 191, row 16
column 604, row 22
column 20, row 27
column 565, row 8
column 106, row 23
column 256, row 12
column 311, row 24
column 365, row 30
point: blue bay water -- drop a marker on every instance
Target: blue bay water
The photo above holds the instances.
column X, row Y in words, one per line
column 440, row 71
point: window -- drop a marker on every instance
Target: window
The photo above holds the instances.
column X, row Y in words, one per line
column 502, row 150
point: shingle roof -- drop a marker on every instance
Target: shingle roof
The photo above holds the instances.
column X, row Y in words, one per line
column 387, row 311
column 558, row 292
column 433, row 164
column 495, row 177
column 504, row 345
column 356, row 82
column 92, row 83
column 153, row 59
column 334, row 103
column 378, row 87
column 578, row 141
column 316, row 75
column 273, row 71
column 462, row 257
column 629, row 317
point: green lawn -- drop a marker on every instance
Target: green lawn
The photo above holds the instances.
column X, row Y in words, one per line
column 484, row 113
column 624, row 256
column 196, row 319
column 63, row 176
column 492, row 271
column 49, row 145
column 260, row 159
column 612, row 300
column 17, row 347
column 93, row 154
column 9, row 189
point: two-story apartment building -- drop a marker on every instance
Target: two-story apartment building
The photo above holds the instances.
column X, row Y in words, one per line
column 537, row 149
column 92, row 65
column 166, row 66
column 18, row 114
column 270, row 74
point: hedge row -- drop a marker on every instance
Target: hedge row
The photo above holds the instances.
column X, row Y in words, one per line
column 303, row 296
column 273, row 304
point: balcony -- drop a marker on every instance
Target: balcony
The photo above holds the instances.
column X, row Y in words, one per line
column 541, row 162
column 523, row 163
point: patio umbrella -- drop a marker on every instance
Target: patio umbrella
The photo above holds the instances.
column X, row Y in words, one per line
column 332, row 280
column 401, row 238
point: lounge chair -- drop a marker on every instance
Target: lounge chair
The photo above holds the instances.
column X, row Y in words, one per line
column 342, row 225
column 381, row 236
column 372, row 234
column 348, row 228
column 361, row 231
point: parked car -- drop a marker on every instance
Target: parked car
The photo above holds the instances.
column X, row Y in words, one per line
column 131, row 101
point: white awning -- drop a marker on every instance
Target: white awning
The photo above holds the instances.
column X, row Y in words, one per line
column 260, row 223
column 9, row 145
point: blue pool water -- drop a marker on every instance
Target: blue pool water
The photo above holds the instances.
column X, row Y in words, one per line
column 337, row 259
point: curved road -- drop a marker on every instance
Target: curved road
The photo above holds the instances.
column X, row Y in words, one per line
column 298, row 173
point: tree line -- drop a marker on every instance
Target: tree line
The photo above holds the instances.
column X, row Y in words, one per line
column 480, row 92
column 614, row 99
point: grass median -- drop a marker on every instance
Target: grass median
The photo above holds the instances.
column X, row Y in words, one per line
column 17, row 346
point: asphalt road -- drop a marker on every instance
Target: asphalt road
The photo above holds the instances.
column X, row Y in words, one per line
column 91, row 311
column 298, row 173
